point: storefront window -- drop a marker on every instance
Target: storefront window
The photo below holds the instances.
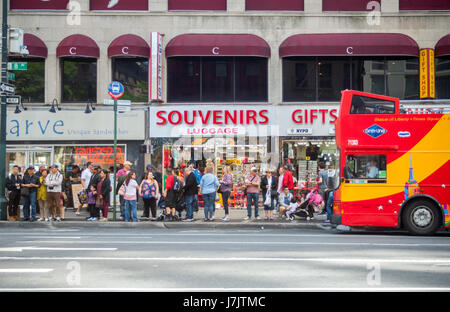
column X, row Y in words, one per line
column 217, row 79
column 443, row 77
column 322, row 79
column 79, row 79
column 102, row 155
column 133, row 74
column 30, row 83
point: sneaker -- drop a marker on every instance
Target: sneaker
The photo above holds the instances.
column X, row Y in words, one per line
column 153, row 219
column 40, row 219
column 308, row 218
column 312, row 218
column 211, row 220
column 258, row 218
column 104, row 219
column 327, row 221
column 247, row 218
column 205, row 220
column 78, row 213
column 58, row 218
column 93, row 219
column 47, row 219
column 225, row 219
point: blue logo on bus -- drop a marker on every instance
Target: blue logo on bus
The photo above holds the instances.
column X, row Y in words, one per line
column 375, row 131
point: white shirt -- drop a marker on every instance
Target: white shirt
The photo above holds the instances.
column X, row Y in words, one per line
column 130, row 189
column 86, row 176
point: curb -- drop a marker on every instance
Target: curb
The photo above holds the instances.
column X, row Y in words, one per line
column 164, row 225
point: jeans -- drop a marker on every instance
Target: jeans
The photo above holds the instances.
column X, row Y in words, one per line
column 122, row 206
column 254, row 197
column 225, row 196
column 329, row 206
column 130, row 204
column 209, row 200
column 190, row 199
column 195, row 204
column 27, row 201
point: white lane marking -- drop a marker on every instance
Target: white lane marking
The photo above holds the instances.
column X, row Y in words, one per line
column 237, row 259
column 58, row 237
column 21, row 249
column 25, row 270
column 365, row 289
column 241, row 243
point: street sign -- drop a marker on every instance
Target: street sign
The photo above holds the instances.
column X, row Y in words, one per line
column 7, row 88
column 17, row 66
column 123, row 108
column 115, row 90
column 11, row 77
column 14, row 99
column 119, row 102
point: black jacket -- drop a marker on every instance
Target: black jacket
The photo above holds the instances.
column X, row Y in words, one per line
column 274, row 186
column 34, row 179
column 106, row 189
column 94, row 181
column 190, row 185
column 11, row 181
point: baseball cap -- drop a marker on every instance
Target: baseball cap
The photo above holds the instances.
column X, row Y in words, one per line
column 254, row 169
column 127, row 163
column 183, row 165
column 149, row 166
column 54, row 166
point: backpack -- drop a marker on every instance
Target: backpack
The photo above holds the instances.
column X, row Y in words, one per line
column 148, row 191
column 198, row 176
column 177, row 187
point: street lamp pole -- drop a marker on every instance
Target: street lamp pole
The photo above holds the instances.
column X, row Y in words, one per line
column 3, row 112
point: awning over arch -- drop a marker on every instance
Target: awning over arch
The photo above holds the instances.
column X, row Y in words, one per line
column 129, row 45
column 442, row 46
column 78, row 46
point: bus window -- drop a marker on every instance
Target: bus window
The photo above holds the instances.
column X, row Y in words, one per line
column 368, row 105
column 367, row 167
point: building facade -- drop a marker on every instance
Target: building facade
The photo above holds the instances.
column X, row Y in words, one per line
column 244, row 82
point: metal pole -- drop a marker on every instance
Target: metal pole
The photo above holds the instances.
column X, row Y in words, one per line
column 115, row 158
column 3, row 112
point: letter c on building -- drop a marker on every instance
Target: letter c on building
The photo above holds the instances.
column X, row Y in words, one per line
column 73, row 50
column 215, row 50
column 125, row 50
column 350, row 50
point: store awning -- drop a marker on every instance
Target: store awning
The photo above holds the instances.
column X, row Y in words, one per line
column 357, row 44
column 35, row 46
column 217, row 45
column 78, row 46
column 442, row 46
column 129, row 45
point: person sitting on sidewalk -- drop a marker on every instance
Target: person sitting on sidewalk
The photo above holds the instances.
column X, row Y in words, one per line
column 284, row 201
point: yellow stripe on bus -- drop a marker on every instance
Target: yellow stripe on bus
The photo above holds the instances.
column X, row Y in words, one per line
column 428, row 155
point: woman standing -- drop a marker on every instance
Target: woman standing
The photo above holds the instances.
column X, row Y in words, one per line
column 225, row 188
column 269, row 186
column 170, row 194
column 103, row 191
column 130, row 197
column 149, row 191
column 42, row 196
column 208, row 187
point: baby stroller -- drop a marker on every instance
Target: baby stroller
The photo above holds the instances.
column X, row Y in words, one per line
column 307, row 208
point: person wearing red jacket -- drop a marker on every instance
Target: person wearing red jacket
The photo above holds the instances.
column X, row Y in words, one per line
column 288, row 181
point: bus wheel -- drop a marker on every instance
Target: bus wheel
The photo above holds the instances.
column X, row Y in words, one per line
column 421, row 217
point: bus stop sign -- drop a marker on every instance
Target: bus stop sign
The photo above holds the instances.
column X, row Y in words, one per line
column 115, row 90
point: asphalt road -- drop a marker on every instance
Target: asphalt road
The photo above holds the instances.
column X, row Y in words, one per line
column 127, row 259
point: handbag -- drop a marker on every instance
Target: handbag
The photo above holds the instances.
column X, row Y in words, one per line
column 268, row 200
column 121, row 191
column 217, row 197
column 82, row 197
column 98, row 202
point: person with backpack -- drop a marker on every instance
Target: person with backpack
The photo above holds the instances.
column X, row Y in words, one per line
column 149, row 191
column 198, row 178
column 171, row 187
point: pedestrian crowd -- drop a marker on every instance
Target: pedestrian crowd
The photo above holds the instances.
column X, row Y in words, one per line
column 42, row 192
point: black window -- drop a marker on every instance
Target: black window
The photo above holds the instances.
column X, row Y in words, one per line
column 217, row 79
column 323, row 78
column 30, row 83
column 367, row 167
column 133, row 74
column 443, row 77
column 368, row 105
column 79, row 79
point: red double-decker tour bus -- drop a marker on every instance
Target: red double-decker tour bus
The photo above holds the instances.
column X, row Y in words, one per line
column 394, row 165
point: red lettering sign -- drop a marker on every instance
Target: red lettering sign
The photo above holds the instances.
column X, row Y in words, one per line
column 99, row 155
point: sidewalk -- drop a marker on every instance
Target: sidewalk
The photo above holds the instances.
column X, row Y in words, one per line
column 236, row 221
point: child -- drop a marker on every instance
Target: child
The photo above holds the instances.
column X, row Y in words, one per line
column 92, row 198
column 293, row 206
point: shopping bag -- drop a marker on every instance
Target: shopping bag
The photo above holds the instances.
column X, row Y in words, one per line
column 268, row 201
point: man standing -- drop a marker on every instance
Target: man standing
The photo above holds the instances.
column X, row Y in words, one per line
column 54, row 187
column 30, row 184
column 288, row 181
column 120, row 178
column 190, row 192
column 252, row 181
column 13, row 182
